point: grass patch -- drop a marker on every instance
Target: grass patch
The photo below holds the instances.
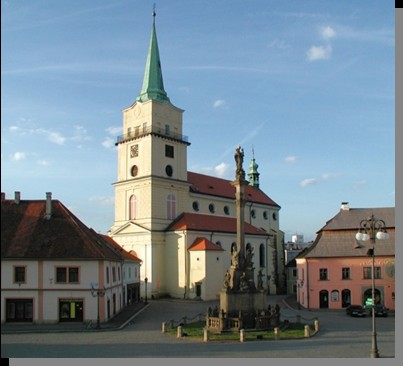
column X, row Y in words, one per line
column 196, row 330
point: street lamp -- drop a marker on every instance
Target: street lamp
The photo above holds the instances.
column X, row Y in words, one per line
column 145, row 283
column 97, row 292
column 372, row 229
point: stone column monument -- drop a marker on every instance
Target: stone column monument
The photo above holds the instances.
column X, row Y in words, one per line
column 240, row 294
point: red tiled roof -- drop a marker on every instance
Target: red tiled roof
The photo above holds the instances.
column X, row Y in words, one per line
column 204, row 244
column 27, row 233
column 213, row 186
column 200, row 222
column 126, row 255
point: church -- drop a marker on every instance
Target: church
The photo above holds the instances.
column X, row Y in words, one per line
column 182, row 224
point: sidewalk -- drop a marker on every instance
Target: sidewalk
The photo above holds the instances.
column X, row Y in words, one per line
column 117, row 322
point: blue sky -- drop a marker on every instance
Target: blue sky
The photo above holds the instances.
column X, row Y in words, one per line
column 309, row 85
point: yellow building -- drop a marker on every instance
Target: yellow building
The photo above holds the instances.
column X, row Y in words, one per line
column 183, row 224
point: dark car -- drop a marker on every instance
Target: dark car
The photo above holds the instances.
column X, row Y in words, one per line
column 380, row 310
column 355, row 310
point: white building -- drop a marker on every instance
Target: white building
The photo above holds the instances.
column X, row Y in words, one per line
column 182, row 224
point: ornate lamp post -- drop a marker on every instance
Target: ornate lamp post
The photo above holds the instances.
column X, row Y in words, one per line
column 97, row 292
column 372, row 229
column 145, row 284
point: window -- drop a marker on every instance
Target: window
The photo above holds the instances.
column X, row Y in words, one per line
column 61, row 275
column 134, row 151
column 253, row 214
column 67, row 275
column 144, row 127
column 195, row 206
column 265, row 215
column 73, row 275
column 19, row 310
column 226, row 210
column 169, row 170
column 368, row 273
column 345, row 273
column 335, row 295
column 169, row 151
column 19, row 274
column 107, row 274
column 171, row 207
column 113, row 274
column 118, row 273
column 323, row 274
column 274, row 216
column 167, row 130
column 261, row 256
column 132, row 207
column 211, row 207
column 134, row 170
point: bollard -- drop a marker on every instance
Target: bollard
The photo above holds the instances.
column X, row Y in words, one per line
column 179, row 333
column 242, row 335
column 316, row 325
column 277, row 333
column 206, row 335
column 164, row 327
column 306, row 331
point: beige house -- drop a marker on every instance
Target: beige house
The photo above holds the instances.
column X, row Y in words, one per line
column 183, row 224
column 52, row 265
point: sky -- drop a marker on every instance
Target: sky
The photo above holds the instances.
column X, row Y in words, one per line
column 308, row 86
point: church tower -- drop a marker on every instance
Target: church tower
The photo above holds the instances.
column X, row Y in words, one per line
column 151, row 187
column 253, row 173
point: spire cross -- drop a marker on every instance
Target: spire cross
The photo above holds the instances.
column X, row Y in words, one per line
column 154, row 13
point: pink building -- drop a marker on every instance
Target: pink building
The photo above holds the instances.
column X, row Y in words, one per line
column 337, row 269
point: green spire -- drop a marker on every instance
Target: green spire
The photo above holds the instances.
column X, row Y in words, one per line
column 253, row 173
column 153, row 86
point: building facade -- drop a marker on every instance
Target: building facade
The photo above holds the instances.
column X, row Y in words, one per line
column 53, row 267
column 163, row 212
column 336, row 270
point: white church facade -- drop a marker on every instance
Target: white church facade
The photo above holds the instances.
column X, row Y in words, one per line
column 183, row 224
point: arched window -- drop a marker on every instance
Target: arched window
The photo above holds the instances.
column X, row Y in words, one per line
column 261, row 256
column 171, row 207
column 132, row 207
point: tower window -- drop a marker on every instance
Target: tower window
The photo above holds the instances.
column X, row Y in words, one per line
column 226, row 210
column 265, row 216
column 253, row 214
column 171, row 206
column 132, row 207
column 211, row 207
column 167, row 130
column 134, row 170
column 169, row 170
column 169, row 151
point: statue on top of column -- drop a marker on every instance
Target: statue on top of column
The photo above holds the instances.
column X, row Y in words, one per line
column 240, row 173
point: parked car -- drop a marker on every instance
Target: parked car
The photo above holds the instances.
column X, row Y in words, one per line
column 380, row 310
column 355, row 310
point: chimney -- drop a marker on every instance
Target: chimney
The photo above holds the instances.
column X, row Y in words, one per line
column 48, row 205
column 3, row 196
column 345, row 206
column 17, row 197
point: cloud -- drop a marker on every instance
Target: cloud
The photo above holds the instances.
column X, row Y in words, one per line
column 114, row 131
column 17, row 156
column 308, row 182
column 327, row 32
column 360, row 184
column 326, row 176
column 55, row 137
column 108, row 143
column 219, row 103
column 103, row 201
column 42, row 162
column 279, row 44
column 221, row 170
column 316, row 53
column 291, row 159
